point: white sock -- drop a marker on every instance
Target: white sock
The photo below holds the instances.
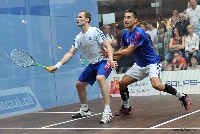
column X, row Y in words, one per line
column 107, row 108
column 84, row 107
column 126, row 104
column 179, row 95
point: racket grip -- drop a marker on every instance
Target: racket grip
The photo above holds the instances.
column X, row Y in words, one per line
column 48, row 68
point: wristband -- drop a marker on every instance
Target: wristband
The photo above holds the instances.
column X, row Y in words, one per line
column 58, row 65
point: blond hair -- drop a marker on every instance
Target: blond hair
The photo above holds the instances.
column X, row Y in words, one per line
column 181, row 14
column 190, row 27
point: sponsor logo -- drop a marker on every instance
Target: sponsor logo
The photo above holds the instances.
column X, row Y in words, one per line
column 138, row 91
column 183, row 83
column 17, row 102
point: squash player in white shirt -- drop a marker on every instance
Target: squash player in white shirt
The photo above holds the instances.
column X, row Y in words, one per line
column 90, row 41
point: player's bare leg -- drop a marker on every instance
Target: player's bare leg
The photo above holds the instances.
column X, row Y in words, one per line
column 84, row 110
column 123, row 84
column 156, row 83
column 82, row 91
column 107, row 114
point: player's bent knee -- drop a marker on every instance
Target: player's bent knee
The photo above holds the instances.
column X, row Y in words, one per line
column 100, row 78
column 157, row 86
column 122, row 86
column 80, row 85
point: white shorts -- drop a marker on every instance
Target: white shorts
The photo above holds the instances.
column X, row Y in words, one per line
column 139, row 73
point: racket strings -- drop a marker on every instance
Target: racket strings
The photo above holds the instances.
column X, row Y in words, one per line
column 21, row 58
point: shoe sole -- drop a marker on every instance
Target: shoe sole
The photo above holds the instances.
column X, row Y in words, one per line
column 129, row 112
column 80, row 117
column 189, row 103
column 101, row 122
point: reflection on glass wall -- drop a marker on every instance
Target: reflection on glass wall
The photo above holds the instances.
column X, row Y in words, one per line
column 166, row 22
column 41, row 27
column 25, row 24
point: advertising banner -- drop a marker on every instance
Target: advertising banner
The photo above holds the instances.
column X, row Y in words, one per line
column 140, row 88
column 185, row 81
column 17, row 101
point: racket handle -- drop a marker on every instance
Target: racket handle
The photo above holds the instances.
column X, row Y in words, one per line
column 48, row 68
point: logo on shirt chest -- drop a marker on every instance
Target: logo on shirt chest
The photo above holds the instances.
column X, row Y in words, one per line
column 129, row 40
column 87, row 40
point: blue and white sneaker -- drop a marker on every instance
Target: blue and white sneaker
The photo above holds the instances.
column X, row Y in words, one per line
column 106, row 118
column 82, row 113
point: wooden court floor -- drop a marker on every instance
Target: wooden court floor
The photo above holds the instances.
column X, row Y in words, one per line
column 151, row 114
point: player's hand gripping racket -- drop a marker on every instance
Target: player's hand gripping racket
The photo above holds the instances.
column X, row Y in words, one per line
column 23, row 59
column 83, row 60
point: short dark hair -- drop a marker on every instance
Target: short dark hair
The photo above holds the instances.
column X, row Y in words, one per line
column 150, row 22
column 153, row 23
column 193, row 56
column 142, row 23
column 161, row 25
column 131, row 11
column 87, row 15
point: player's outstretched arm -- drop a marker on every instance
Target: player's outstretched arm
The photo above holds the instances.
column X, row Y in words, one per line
column 64, row 60
column 118, row 57
column 125, row 52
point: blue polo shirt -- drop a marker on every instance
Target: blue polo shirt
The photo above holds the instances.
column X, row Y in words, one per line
column 144, row 54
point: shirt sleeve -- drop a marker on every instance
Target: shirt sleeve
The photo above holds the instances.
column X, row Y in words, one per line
column 186, row 44
column 123, row 39
column 100, row 36
column 138, row 39
column 76, row 43
column 186, row 14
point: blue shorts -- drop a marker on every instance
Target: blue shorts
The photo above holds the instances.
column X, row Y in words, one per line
column 92, row 70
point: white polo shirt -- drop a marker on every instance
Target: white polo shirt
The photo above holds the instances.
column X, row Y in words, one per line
column 90, row 44
column 153, row 33
column 191, row 43
column 193, row 15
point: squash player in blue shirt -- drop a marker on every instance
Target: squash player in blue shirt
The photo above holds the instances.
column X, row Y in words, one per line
column 135, row 42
